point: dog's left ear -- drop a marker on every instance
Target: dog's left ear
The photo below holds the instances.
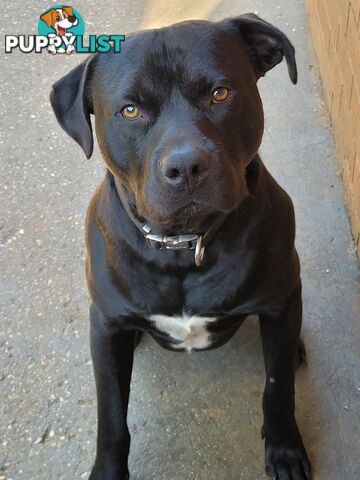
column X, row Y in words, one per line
column 71, row 99
column 268, row 45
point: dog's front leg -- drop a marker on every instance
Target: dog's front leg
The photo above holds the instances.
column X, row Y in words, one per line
column 285, row 455
column 112, row 352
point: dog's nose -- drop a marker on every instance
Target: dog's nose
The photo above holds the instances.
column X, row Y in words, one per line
column 186, row 165
column 72, row 19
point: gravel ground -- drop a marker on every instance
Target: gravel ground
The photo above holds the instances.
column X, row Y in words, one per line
column 192, row 416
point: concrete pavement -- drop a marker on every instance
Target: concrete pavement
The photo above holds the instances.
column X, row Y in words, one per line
column 192, row 417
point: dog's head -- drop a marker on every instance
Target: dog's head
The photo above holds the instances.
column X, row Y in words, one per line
column 60, row 19
column 178, row 115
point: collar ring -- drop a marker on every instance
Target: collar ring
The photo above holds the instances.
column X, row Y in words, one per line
column 199, row 251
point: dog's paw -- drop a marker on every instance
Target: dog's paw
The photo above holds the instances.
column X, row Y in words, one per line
column 52, row 49
column 287, row 463
column 70, row 49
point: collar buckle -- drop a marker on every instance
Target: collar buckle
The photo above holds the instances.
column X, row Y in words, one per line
column 176, row 242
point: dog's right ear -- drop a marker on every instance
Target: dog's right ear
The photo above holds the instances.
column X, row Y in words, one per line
column 267, row 44
column 71, row 99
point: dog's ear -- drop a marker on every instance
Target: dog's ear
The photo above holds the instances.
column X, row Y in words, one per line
column 47, row 17
column 71, row 99
column 69, row 11
column 268, row 45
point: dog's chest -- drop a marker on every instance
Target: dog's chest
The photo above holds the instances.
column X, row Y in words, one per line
column 187, row 332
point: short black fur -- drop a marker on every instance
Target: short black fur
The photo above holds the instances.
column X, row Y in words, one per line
column 210, row 149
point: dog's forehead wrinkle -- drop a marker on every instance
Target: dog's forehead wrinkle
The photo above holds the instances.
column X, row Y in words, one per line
column 170, row 83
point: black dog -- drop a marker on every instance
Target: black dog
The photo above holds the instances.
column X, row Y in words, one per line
column 188, row 233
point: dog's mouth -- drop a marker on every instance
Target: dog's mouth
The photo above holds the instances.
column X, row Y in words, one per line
column 61, row 31
column 192, row 210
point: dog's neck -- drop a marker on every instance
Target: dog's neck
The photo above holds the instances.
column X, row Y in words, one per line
column 178, row 242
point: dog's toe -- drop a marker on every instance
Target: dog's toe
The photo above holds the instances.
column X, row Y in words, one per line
column 284, row 463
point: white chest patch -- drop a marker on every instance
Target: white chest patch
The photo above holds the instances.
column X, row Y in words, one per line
column 190, row 331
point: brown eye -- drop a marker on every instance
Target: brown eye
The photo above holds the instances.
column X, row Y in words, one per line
column 220, row 95
column 58, row 17
column 131, row 112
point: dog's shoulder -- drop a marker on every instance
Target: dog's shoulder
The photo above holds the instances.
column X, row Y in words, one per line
column 275, row 203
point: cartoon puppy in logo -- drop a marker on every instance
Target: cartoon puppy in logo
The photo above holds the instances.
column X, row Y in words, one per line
column 60, row 19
